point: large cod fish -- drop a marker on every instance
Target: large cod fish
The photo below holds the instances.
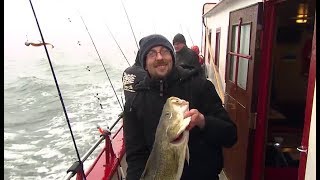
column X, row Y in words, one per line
column 170, row 148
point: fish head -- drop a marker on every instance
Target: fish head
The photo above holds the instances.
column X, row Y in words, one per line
column 173, row 121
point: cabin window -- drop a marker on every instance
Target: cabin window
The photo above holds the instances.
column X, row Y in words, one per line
column 217, row 52
column 239, row 54
column 244, row 49
column 209, row 54
column 234, row 42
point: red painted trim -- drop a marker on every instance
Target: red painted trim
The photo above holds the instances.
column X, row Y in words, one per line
column 264, row 76
column 95, row 162
column 210, row 43
column 309, row 105
column 240, row 55
column 217, row 48
column 108, row 160
column 205, row 45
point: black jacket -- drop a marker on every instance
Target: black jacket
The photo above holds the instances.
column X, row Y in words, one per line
column 131, row 77
column 142, row 114
column 187, row 58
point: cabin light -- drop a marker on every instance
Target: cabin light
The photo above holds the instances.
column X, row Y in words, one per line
column 302, row 13
column 276, row 144
column 301, row 21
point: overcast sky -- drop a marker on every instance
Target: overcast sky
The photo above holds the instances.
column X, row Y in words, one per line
column 61, row 24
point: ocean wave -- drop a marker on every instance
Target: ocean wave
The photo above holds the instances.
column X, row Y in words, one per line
column 11, row 155
column 20, row 147
column 36, row 129
column 9, row 136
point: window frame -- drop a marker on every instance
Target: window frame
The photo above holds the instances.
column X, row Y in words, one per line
column 217, row 47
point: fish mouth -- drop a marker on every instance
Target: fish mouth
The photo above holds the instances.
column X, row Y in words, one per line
column 183, row 132
column 180, row 138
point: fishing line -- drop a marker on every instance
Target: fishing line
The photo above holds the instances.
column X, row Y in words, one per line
column 27, row 41
column 118, row 45
column 190, row 36
column 60, row 96
column 181, row 29
column 130, row 24
column 100, row 60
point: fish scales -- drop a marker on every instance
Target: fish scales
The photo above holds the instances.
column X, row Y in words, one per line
column 170, row 148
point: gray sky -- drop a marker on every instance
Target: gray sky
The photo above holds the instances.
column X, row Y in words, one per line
column 166, row 17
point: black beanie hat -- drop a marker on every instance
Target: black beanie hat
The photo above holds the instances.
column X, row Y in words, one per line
column 179, row 38
column 151, row 41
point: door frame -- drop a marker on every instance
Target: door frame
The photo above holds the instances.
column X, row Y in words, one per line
column 269, row 15
column 267, row 35
column 308, row 108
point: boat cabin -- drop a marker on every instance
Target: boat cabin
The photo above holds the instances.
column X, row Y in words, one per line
column 261, row 57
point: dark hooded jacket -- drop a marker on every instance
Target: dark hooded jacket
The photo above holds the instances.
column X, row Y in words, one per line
column 131, row 77
column 187, row 58
column 142, row 114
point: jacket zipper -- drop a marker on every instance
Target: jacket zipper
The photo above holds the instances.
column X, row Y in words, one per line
column 161, row 87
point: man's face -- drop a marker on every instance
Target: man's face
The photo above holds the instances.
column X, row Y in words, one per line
column 159, row 62
column 178, row 46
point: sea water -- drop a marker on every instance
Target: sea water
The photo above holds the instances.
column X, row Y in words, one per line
column 37, row 139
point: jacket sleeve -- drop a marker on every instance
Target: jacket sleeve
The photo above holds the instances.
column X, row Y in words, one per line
column 219, row 128
column 195, row 60
column 136, row 150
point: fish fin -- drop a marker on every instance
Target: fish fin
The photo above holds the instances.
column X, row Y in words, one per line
column 187, row 154
column 146, row 172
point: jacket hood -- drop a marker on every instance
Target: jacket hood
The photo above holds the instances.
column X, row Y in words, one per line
column 179, row 38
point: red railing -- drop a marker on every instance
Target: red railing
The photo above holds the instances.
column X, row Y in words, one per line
column 106, row 164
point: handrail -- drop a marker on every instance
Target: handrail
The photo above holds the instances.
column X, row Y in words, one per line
column 72, row 170
column 84, row 158
column 114, row 124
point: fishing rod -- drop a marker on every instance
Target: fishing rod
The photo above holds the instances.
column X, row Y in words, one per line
column 118, row 45
column 130, row 24
column 181, row 28
column 190, row 36
column 59, row 92
column 100, row 60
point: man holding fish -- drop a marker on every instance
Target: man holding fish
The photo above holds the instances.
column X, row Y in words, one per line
column 174, row 115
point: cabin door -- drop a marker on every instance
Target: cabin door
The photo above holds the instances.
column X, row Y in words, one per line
column 241, row 86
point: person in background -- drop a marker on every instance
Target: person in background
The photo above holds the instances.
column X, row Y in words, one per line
column 195, row 49
column 210, row 127
column 131, row 77
column 185, row 57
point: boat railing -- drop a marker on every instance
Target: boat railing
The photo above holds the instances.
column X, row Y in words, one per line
column 76, row 166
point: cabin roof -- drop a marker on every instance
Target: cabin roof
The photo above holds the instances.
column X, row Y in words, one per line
column 224, row 4
column 220, row 5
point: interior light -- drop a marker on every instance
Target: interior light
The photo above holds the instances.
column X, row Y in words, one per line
column 301, row 21
column 302, row 14
column 276, row 144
